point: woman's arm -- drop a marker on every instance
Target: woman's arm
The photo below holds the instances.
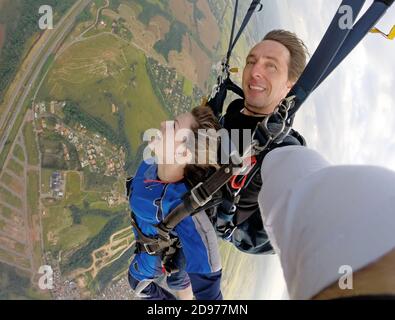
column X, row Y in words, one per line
column 203, row 262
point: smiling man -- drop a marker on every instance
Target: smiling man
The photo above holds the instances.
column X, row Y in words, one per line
column 272, row 67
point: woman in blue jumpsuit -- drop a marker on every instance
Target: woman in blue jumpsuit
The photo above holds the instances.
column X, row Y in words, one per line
column 155, row 191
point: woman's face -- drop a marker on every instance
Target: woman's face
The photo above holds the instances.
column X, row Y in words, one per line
column 169, row 147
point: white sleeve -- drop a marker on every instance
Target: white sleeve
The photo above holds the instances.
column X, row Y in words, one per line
column 320, row 217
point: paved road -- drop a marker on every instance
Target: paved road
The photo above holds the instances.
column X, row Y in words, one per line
column 14, row 106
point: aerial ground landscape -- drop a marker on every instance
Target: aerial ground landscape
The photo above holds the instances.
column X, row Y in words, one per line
column 74, row 102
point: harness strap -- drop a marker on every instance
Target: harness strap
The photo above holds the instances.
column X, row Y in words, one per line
column 358, row 32
column 246, row 19
column 216, row 103
column 235, row 181
column 336, row 44
column 198, row 197
column 224, row 83
column 151, row 245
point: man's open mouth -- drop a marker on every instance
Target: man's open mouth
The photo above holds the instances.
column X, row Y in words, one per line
column 257, row 88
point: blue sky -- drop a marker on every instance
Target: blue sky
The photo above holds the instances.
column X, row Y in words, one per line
column 350, row 118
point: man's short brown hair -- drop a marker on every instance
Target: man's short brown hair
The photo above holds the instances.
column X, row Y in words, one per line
column 296, row 48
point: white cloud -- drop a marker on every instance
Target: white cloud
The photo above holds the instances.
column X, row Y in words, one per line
column 354, row 109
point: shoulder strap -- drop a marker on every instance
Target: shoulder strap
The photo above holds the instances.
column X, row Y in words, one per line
column 152, row 245
column 224, row 83
column 336, row 44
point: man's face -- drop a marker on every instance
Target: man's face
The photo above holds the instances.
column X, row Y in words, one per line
column 265, row 76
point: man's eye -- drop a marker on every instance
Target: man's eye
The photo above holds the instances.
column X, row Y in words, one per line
column 250, row 62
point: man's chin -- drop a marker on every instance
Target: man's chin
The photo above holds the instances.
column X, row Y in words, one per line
column 255, row 105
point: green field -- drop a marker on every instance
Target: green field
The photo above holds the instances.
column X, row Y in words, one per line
column 59, row 222
column 102, row 205
column 10, row 198
column 19, row 247
column 97, row 182
column 71, row 230
column 188, row 87
column 10, row 257
column 2, row 224
column 6, row 178
column 160, row 3
column 18, row 153
column 45, row 180
column 102, row 71
column 30, row 143
column 73, row 188
column 14, row 131
column 73, row 237
column 13, row 283
column 55, row 221
column 137, row 8
column 92, row 197
column 123, row 234
column 33, row 194
column 15, row 167
column 6, row 255
column 52, row 152
column 47, row 65
column 99, row 3
column 73, row 183
column 20, row 18
column 76, row 218
column 5, row 212
column 93, row 223
column 82, row 257
column 108, row 273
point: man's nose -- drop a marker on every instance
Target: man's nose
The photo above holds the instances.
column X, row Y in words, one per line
column 257, row 71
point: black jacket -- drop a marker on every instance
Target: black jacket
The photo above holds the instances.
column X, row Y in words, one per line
column 250, row 235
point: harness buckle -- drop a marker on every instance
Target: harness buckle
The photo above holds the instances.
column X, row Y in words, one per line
column 148, row 249
column 229, row 232
column 200, row 202
column 272, row 134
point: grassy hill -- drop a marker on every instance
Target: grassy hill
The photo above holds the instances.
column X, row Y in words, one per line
column 101, row 72
column 19, row 20
column 105, row 79
column 16, row 285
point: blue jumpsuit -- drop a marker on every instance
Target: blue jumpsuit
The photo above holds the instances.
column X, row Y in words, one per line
column 198, row 260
